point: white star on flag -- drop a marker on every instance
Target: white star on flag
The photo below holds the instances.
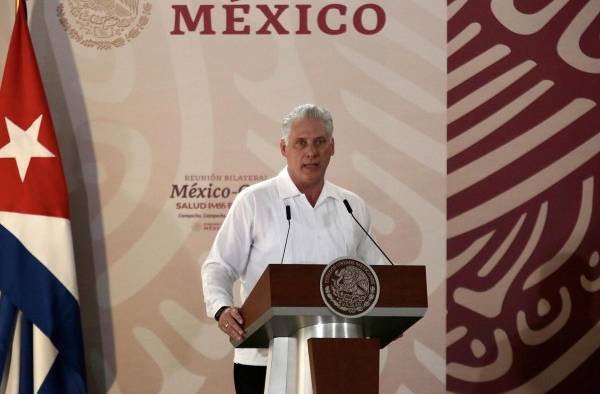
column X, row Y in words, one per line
column 24, row 145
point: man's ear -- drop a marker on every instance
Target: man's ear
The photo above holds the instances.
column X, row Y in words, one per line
column 283, row 147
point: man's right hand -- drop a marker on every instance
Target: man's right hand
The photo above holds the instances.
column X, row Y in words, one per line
column 230, row 322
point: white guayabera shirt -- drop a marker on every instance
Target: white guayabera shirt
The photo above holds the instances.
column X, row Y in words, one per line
column 253, row 235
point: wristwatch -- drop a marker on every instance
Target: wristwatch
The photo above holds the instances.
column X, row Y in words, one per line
column 220, row 312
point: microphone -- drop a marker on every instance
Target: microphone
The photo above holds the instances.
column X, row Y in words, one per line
column 288, row 216
column 349, row 208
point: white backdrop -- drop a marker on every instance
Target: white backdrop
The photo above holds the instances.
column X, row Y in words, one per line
column 141, row 114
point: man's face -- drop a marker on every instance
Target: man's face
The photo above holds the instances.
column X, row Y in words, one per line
column 307, row 152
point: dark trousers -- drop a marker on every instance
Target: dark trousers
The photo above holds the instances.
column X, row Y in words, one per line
column 249, row 379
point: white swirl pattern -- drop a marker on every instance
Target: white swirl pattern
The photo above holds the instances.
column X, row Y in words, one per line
column 522, row 138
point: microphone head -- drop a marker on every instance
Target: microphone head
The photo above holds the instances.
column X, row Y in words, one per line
column 348, row 207
column 288, row 213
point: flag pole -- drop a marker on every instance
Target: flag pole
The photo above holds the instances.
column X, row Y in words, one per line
column 16, row 6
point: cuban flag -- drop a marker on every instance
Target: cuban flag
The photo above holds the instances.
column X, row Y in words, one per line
column 41, row 347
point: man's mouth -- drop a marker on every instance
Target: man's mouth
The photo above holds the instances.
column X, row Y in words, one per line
column 311, row 165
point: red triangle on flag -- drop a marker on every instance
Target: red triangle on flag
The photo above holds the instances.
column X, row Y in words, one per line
column 31, row 173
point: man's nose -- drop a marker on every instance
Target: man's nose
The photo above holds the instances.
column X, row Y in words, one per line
column 312, row 149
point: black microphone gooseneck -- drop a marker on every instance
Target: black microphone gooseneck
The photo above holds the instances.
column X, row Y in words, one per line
column 349, row 208
column 288, row 216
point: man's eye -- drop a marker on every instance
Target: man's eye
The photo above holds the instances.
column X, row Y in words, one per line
column 301, row 143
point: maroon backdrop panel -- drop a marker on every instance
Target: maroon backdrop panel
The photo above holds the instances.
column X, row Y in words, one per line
column 523, row 282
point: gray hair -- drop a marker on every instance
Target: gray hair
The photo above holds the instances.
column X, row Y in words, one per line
column 307, row 111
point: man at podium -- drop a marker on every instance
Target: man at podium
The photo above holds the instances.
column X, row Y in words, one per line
column 255, row 231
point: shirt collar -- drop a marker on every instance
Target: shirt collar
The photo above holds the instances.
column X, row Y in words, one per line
column 287, row 188
column 329, row 191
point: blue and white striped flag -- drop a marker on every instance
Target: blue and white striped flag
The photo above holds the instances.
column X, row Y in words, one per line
column 41, row 347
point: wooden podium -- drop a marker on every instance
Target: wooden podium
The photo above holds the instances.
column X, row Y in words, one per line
column 313, row 350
